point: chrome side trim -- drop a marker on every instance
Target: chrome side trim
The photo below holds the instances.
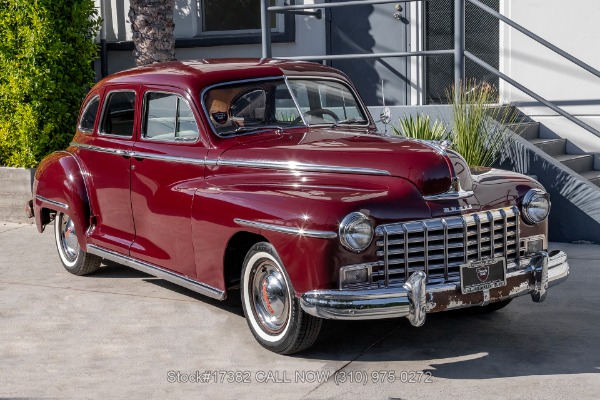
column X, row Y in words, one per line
column 54, row 203
column 294, row 166
column 290, row 165
column 157, row 271
column 162, row 157
column 434, row 145
column 287, row 229
column 463, row 194
column 100, row 149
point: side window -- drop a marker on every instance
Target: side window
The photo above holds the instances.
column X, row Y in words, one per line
column 169, row 117
column 249, row 108
column 119, row 114
column 285, row 108
column 88, row 117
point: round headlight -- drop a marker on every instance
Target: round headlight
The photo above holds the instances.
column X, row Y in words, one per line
column 356, row 232
column 536, row 206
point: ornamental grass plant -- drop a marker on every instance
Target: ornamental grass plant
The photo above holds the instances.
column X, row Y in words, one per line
column 479, row 132
column 420, row 127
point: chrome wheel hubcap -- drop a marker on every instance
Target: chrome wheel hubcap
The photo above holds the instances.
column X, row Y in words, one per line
column 270, row 297
column 68, row 238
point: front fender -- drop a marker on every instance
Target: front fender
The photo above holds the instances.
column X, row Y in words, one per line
column 59, row 185
column 307, row 201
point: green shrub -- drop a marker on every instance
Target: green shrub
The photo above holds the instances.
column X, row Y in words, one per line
column 46, row 53
column 420, row 127
column 479, row 133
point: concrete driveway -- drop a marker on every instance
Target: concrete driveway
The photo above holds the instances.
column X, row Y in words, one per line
column 121, row 334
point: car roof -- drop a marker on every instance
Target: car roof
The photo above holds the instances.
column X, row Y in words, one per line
column 197, row 74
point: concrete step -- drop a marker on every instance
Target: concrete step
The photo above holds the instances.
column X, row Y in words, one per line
column 592, row 176
column 577, row 162
column 553, row 147
column 527, row 130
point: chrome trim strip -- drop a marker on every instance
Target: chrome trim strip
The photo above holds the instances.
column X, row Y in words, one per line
column 450, row 195
column 55, row 203
column 433, row 145
column 446, row 250
column 157, row 271
column 287, row 229
column 393, row 302
column 161, row 157
column 98, row 148
column 386, row 265
column 291, row 165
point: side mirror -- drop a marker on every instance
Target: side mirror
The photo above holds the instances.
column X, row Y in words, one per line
column 386, row 116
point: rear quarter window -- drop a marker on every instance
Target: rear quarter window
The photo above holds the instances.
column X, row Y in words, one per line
column 88, row 116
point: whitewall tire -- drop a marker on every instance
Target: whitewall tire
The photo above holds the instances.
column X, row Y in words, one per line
column 272, row 311
column 75, row 260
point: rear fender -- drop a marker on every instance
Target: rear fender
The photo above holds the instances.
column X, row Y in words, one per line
column 59, row 186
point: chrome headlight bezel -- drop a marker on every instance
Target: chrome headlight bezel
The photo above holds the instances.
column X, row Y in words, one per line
column 531, row 198
column 348, row 227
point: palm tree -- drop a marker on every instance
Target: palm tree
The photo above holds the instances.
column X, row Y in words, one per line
column 152, row 27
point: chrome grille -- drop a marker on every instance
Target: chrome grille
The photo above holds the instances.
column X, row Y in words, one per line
column 439, row 246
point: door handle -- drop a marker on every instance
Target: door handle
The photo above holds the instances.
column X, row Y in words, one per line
column 124, row 153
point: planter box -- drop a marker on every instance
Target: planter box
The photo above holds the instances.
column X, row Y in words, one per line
column 15, row 190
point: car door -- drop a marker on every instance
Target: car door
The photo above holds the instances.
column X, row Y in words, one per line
column 167, row 166
column 107, row 155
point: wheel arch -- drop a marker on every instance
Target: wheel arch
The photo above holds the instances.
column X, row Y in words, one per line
column 59, row 186
column 235, row 252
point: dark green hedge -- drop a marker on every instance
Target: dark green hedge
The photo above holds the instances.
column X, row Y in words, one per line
column 46, row 53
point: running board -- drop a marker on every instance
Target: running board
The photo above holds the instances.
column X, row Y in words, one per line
column 158, row 272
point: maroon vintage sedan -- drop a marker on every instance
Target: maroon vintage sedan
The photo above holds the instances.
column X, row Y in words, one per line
column 269, row 176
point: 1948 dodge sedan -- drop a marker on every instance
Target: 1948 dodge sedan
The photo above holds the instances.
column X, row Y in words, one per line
column 269, row 176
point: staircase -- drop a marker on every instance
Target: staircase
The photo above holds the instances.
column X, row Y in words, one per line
column 571, row 180
column 582, row 164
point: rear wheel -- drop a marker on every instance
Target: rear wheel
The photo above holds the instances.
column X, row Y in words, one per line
column 75, row 260
column 272, row 311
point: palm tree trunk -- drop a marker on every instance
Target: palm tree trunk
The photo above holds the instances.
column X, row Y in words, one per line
column 152, row 27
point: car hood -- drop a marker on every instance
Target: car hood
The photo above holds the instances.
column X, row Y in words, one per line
column 427, row 166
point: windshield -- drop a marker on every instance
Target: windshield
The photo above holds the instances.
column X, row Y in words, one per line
column 250, row 106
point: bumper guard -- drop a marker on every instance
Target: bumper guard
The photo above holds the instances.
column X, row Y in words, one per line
column 415, row 299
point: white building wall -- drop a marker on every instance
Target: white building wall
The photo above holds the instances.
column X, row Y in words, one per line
column 310, row 35
column 572, row 26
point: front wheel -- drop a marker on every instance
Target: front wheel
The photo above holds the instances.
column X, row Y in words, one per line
column 272, row 311
column 75, row 260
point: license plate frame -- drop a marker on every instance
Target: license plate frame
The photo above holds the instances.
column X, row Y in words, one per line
column 477, row 276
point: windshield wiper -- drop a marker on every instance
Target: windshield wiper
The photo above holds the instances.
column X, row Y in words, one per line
column 356, row 120
column 244, row 129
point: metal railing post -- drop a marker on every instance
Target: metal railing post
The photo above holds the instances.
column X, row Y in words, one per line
column 459, row 45
column 265, row 26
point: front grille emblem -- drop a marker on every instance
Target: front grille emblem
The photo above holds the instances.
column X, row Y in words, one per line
column 483, row 273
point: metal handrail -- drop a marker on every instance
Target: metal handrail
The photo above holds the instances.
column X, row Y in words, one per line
column 531, row 93
column 535, row 37
column 459, row 51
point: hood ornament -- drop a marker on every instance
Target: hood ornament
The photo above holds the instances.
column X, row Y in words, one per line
column 446, row 144
column 455, row 192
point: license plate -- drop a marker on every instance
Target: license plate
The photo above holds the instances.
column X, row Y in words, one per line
column 476, row 276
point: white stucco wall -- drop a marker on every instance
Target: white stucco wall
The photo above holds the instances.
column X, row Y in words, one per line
column 310, row 35
column 573, row 27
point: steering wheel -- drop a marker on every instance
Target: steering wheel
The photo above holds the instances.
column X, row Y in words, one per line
column 318, row 112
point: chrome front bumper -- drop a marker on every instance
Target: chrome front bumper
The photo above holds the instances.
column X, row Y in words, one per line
column 414, row 299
